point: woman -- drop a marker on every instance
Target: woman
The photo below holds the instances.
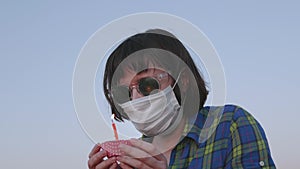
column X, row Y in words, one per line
column 151, row 80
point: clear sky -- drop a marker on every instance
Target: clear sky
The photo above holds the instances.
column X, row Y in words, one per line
column 258, row 44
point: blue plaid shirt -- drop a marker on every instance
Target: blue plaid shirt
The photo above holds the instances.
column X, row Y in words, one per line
column 238, row 142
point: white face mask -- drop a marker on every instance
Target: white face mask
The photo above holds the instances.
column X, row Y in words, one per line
column 154, row 114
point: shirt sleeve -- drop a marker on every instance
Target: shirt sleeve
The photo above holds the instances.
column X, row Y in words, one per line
column 248, row 146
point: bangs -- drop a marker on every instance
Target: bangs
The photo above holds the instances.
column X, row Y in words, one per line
column 146, row 59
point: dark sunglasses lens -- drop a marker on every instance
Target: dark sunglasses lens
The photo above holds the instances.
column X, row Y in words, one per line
column 148, row 85
column 121, row 94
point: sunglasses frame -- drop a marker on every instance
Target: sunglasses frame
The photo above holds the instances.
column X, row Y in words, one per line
column 157, row 77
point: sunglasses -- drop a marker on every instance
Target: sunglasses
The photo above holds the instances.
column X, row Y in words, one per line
column 144, row 86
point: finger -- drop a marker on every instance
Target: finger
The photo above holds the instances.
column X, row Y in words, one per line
column 125, row 166
column 127, row 161
column 95, row 149
column 96, row 158
column 133, row 151
column 148, row 148
column 148, row 161
column 113, row 166
column 145, row 146
column 106, row 163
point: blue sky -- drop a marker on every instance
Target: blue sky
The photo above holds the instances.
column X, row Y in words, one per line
column 257, row 42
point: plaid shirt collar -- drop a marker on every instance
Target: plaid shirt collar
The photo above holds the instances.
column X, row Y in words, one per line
column 194, row 126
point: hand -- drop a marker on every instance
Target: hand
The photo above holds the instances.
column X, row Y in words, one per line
column 141, row 155
column 96, row 159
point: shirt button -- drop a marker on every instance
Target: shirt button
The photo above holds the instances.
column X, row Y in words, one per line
column 261, row 163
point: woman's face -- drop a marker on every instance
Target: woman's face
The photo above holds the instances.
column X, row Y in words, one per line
column 135, row 80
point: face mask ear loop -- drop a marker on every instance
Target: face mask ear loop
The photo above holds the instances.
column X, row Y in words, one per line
column 176, row 81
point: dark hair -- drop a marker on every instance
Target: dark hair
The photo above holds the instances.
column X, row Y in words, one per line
column 155, row 41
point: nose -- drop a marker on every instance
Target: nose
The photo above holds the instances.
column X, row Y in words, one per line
column 135, row 94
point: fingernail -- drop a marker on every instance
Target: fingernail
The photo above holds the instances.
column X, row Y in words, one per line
column 133, row 140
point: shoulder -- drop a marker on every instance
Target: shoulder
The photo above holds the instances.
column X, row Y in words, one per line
column 241, row 119
column 231, row 119
column 247, row 144
column 228, row 112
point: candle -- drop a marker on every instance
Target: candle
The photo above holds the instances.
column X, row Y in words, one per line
column 114, row 127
